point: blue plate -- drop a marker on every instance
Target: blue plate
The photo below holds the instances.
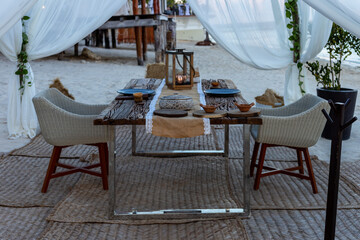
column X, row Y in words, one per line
column 130, row 91
column 222, row 91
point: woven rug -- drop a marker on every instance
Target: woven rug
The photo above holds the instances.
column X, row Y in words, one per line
column 230, row 229
column 150, row 184
column 351, row 172
column 39, row 148
column 285, row 192
column 22, row 223
column 298, row 225
column 236, row 145
column 22, row 178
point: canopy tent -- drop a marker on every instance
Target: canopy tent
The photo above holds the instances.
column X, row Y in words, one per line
column 345, row 13
column 255, row 33
column 53, row 27
column 12, row 11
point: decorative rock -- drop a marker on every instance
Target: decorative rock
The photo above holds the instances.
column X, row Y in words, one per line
column 89, row 54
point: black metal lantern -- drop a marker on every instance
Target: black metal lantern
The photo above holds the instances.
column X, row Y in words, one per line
column 179, row 69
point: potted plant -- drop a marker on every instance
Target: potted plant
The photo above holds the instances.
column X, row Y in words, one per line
column 341, row 44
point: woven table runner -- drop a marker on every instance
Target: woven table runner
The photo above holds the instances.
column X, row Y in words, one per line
column 188, row 126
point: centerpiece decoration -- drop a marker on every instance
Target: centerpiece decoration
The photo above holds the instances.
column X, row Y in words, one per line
column 179, row 69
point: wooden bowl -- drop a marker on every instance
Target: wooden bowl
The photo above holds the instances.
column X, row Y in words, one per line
column 208, row 108
column 215, row 84
column 138, row 97
column 244, row 107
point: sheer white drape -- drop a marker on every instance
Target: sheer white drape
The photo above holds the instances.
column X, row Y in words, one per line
column 255, row 33
column 345, row 13
column 11, row 11
column 53, row 27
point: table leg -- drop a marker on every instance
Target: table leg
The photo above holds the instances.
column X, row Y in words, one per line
column 226, row 142
column 246, row 168
column 133, row 139
column 112, row 167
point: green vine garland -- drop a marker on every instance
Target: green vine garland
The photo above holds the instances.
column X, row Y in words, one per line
column 292, row 14
column 23, row 59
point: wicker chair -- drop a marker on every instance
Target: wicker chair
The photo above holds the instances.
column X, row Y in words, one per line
column 297, row 126
column 63, row 123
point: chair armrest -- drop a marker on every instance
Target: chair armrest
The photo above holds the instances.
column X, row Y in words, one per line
column 83, row 108
column 62, row 128
column 300, row 130
column 72, row 106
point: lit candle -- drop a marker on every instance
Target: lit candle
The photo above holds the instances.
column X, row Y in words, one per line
column 179, row 79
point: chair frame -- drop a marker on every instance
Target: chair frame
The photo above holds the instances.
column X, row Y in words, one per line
column 288, row 171
column 54, row 163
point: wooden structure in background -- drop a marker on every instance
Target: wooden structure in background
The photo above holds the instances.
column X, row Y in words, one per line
column 139, row 22
column 127, row 35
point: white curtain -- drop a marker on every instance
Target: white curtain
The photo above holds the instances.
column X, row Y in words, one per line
column 53, row 27
column 255, row 33
column 11, row 11
column 345, row 13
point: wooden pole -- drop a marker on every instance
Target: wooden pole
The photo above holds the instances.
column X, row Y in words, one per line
column 156, row 7
column 138, row 36
column 107, row 39
column 76, row 49
column 143, row 29
column 113, row 38
column 99, row 38
column 338, row 126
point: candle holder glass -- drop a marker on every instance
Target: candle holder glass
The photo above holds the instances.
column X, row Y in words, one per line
column 179, row 69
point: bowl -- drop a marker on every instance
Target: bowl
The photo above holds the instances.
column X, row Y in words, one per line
column 208, row 108
column 138, row 97
column 215, row 84
column 244, row 107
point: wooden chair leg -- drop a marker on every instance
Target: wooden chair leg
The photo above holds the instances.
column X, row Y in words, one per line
column 107, row 158
column 51, row 168
column 300, row 161
column 260, row 166
column 253, row 158
column 102, row 156
column 310, row 170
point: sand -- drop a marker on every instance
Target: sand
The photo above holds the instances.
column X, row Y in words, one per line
column 97, row 81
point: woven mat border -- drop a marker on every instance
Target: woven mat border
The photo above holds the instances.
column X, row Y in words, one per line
column 60, row 208
column 230, row 229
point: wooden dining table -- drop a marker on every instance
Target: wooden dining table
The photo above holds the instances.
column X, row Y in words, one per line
column 123, row 110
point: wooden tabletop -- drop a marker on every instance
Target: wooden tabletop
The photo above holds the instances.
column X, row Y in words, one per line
column 127, row 112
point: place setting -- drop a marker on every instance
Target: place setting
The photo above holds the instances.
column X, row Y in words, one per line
column 138, row 95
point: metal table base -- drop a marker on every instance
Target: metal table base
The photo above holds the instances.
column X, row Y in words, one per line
column 180, row 153
column 180, row 213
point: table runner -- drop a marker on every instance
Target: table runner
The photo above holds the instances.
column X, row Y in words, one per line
column 177, row 127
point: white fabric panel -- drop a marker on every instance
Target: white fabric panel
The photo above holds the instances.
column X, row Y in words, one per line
column 12, row 11
column 53, row 27
column 10, row 46
column 315, row 31
column 255, row 33
column 345, row 13
column 57, row 25
column 247, row 30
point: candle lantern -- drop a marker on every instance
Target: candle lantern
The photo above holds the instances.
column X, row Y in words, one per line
column 179, row 69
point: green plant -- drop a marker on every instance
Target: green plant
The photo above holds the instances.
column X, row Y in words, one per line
column 23, row 58
column 292, row 14
column 171, row 3
column 340, row 46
